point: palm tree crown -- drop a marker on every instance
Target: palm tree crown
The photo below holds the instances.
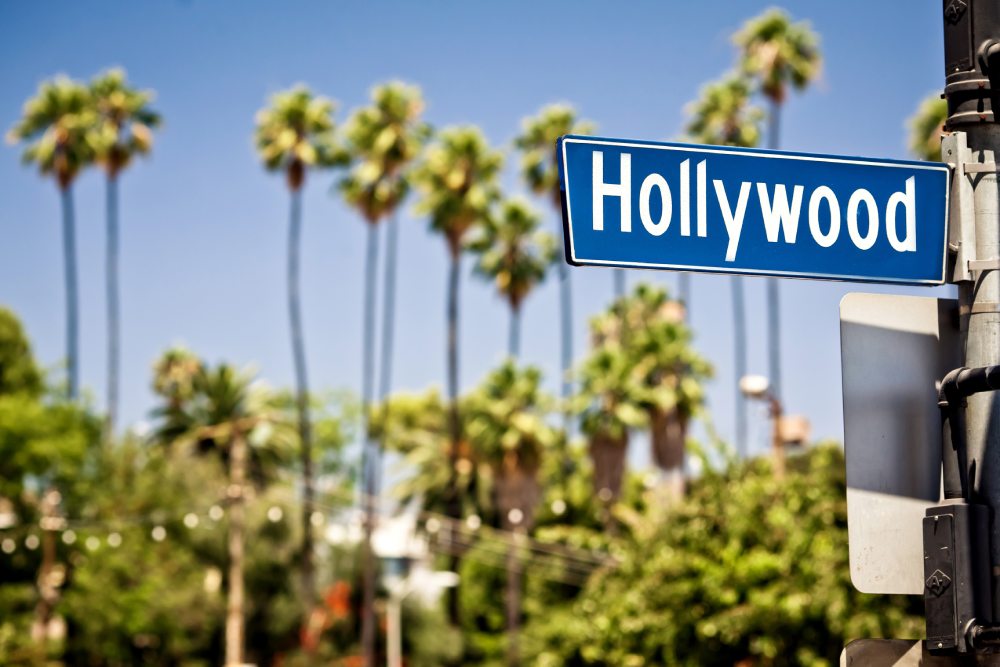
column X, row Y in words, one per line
column 58, row 124
column 513, row 252
column 926, row 128
column 723, row 115
column 537, row 142
column 384, row 138
column 778, row 52
column 457, row 181
column 297, row 132
column 124, row 120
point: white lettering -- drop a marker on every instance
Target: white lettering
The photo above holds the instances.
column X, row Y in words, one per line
column 657, row 181
column 778, row 215
column 867, row 241
column 908, row 199
column 623, row 190
column 818, row 196
column 686, row 198
column 702, row 200
column 734, row 223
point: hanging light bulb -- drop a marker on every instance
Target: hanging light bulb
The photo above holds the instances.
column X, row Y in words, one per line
column 93, row 543
column 114, row 540
column 275, row 513
column 31, row 542
column 215, row 513
column 8, row 545
column 159, row 533
column 191, row 520
column 69, row 536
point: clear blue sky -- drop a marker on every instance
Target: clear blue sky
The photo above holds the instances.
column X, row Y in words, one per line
column 204, row 226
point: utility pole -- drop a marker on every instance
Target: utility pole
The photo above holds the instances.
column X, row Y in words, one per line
column 961, row 539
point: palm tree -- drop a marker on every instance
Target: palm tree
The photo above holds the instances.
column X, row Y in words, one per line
column 723, row 116
column 506, row 424
column 457, row 181
column 516, row 255
column 416, row 427
column 124, row 130
column 926, row 128
column 221, row 412
column 610, row 403
column 650, row 329
column 294, row 134
column 383, row 139
column 540, row 170
column 57, row 122
column 776, row 54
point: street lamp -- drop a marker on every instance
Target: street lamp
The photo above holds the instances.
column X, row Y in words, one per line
column 399, row 589
column 758, row 388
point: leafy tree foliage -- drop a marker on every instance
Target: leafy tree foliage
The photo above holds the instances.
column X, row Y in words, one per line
column 746, row 570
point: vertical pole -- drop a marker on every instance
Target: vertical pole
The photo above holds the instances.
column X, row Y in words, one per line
column 394, row 630
column 972, row 66
column 234, row 605
column 979, row 303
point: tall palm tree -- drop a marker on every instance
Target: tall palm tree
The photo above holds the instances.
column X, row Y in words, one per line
column 926, row 128
column 516, row 255
column 507, row 426
column 416, row 427
column 777, row 53
column 294, row 134
column 57, row 123
column 457, row 182
column 540, row 170
column 382, row 139
column 724, row 116
column 124, row 130
column 221, row 412
column 650, row 329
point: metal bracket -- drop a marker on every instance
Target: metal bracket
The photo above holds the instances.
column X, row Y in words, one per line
column 980, row 308
column 980, row 168
column 984, row 264
column 962, row 228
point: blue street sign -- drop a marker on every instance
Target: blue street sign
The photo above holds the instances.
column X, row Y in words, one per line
column 737, row 210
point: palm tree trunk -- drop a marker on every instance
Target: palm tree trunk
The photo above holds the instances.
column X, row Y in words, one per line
column 72, row 298
column 684, row 292
column 773, row 297
column 454, row 425
column 566, row 339
column 368, row 458
column 234, row 605
column 514, row 336
column 740, row 363
column 301, row 393
column 114, row 326
column 514, row 577
column 619, row 283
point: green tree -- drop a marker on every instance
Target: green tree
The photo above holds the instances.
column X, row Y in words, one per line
column 18, row 371
column 507, row 427
column 650, row 329
column 123, row 130
column 416, row 427
column 777, row 54
column 294, row 134
column 57, row 125
column 926, row 127
column 540, row 170
column 44, row 443
column 383, row 140
column 724, row 116
column 457, row 182
column 746, row 570
column 610, row 403
column 516, row 255
column 227, row 415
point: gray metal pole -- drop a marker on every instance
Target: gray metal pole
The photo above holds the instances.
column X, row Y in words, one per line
column 980, row 302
